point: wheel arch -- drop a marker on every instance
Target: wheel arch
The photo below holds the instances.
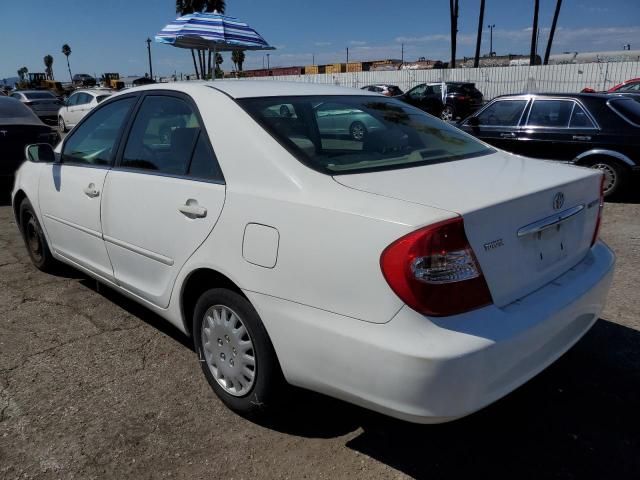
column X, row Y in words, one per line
column 195, row 284
column 585, row 157
column 18, row 198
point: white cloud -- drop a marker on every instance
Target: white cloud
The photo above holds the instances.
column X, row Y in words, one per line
column 322, row 44
column 357, row 43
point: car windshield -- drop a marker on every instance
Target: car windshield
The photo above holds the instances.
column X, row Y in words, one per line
column 352, row 134
column 628, row 109
column 461, row 88
column 100, row 98
column 37, row 95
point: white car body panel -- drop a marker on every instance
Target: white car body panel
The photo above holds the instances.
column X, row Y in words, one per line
column 72, row 114
column 310, row 262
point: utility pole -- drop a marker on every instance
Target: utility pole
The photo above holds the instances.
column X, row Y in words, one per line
column 347, row 54
column 149, row 52
column 268, row 65
column 402, row 54
column 313, row 59
column 534, row 32
column 476, row 61
column 453, row 10
column 491, row 27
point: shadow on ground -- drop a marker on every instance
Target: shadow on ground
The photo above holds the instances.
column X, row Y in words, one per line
column 578, row 419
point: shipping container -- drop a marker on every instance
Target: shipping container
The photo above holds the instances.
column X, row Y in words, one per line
column 335, row 68
column 314, row 69
column 287, row 71
column 354, row 67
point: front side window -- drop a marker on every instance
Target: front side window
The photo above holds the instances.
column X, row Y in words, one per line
column 352, row 134
column 73, row 100
column 418, row 92
column 502, row 113
column 550, row 113
column 166, row 136
column 94, row 140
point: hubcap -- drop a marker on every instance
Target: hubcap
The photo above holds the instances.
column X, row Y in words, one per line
column 357, row 132
column 61, row 123
column 228, row 350
column 610, row 176
column 33, row 239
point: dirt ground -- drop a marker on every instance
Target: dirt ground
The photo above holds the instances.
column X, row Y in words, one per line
column 94, row 386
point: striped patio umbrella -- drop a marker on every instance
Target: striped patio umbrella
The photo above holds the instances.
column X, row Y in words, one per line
column 211, row 31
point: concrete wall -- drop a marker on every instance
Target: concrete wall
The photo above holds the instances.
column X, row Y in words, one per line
column 491, row 81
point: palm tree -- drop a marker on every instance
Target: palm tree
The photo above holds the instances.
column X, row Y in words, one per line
column 534, row 32
column 48, row 63
column 237, row 57
column 476, row 61
column 553, row 31
column 184, row 7
column 22, row 73
column 66, row 50
column 453, row 11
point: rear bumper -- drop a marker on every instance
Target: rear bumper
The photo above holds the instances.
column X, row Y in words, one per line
column 436, row 370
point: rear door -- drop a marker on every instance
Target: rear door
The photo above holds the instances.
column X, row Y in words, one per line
column 556, row 129
column 163, row 198
column 70, row 190
column 498, row 123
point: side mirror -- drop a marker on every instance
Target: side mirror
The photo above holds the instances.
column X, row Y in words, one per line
column 40, row 152
column 473, row 121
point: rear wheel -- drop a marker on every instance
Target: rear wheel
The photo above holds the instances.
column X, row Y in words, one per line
column 357, row 130
column 447, row 113
column 235, row 352
column 615, row 175
column 34, row 239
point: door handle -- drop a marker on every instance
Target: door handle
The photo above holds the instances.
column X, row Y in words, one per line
column 508, row 135
column 585, row 138
column 191, row 209
column 91, row 191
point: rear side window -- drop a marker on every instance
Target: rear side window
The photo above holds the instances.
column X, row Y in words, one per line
column 502, row 113
column 580, row 119
column 550, row 113
column 93, row 141
column 627, row 109
column 167, row 138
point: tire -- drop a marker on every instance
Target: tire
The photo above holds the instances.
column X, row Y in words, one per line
column 448, row 113
column 62, row 125
column 616, row 175
column 357, row 130
column 246, row 386
column 34, row 239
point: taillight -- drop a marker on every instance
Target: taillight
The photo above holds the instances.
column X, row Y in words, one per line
column 434, row 270
column 596, row 231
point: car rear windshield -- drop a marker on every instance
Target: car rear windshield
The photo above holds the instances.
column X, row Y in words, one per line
column 38, row 95
column 628, row 109
column 352, row 134
column 394, row 90
column 100, row 98
column 14, row 109
column 461, row 88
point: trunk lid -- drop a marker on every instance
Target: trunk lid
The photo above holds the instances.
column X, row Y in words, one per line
column 504, row 199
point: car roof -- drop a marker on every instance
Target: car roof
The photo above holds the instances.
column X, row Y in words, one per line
column 560, row 95
column 95, row 91
column 32, row 91
column 254, row 88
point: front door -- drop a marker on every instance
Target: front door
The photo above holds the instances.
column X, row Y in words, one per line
column 163, row 198
column 70, row 190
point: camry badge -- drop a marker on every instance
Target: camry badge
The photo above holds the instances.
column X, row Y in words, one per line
column 558, row 201
column 493, row 244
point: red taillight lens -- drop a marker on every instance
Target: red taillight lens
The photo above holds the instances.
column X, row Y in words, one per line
column 596, row 231
column 434, row 271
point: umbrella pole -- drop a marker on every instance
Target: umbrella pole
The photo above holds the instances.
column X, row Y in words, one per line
column 195, row 65
column 209, row 64
column 202, row 64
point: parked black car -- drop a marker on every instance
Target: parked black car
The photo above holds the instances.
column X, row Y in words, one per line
column 596, row 130
column 19, row 127
column 447, row 100
column 84, row 80
column 385, row 89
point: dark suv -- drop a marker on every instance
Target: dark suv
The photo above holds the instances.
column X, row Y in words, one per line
column 447, row 100
column 596, row 130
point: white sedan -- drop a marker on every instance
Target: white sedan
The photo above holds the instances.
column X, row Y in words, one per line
column 416, row 271
column 78, row 105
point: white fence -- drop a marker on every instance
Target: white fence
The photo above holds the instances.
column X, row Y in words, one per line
column 491, row 81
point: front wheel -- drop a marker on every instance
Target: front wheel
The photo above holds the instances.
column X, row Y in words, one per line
column 62, row 125
column 35, row 240
column 235, row 352
column 615, row 175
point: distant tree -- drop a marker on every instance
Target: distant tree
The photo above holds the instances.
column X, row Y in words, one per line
column 237, row 57
column 48, row 63
column 22, row 73
column 66, row 50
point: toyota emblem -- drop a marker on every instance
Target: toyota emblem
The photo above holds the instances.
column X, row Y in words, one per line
column 558, row 201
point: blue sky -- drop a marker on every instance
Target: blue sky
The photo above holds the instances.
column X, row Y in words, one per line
column 109, row 35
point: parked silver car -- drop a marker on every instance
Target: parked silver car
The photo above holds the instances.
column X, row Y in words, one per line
column 43, row 103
